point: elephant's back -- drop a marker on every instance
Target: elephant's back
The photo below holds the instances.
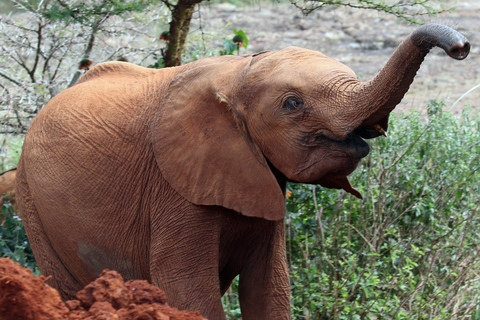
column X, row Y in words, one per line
column 109, row 90
column 94, row 131
column 119, row 70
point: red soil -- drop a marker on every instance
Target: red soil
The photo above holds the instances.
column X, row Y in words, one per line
column 24, row 296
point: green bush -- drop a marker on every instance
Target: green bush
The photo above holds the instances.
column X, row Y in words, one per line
column 13, row 240
column 410, row 249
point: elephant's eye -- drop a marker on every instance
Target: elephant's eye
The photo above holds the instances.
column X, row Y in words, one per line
column 293, row 104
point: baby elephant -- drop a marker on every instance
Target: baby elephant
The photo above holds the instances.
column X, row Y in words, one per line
column 178, row 175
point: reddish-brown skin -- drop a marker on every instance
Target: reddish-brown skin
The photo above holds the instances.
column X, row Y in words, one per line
column 177, row 176
column 7, row 185
column 7, row 190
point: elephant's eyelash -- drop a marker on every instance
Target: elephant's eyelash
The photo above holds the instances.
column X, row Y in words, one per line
column 291, row 102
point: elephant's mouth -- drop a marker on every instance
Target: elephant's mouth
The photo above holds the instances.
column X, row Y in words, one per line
column 354, row 148
column 329, row 156
column 342, row 157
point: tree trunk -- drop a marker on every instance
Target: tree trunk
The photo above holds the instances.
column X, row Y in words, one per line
column 181, row 15
column 86, row 55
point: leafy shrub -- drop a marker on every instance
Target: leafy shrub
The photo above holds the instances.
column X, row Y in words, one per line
column 410, row 249
column 13, row 240
column 230, row 46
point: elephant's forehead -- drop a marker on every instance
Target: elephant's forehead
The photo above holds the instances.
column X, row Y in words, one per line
column 298, row 69
column 304, row 62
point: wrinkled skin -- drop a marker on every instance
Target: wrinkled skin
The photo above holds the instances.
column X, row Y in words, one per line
column 178, row 176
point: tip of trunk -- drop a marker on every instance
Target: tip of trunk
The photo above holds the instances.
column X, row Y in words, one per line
column 459, row 50
column 432, row 35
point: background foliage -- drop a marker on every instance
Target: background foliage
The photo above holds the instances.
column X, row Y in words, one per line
column 410, row 249
column 43, row 43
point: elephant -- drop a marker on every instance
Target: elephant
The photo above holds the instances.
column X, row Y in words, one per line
column 178, row 175
column 7, row 190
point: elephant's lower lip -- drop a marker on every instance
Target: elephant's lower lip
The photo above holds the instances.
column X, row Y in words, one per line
column 349, row 166
column 344, row 165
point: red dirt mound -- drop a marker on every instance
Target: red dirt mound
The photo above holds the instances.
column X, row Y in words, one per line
column 24, row 296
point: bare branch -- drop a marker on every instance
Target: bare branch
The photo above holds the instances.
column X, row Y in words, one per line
column 38, row 51
column 399, row 9
column 86, row 55
column 10, row 79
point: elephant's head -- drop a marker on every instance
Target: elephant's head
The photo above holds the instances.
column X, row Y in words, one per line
column 228, row 133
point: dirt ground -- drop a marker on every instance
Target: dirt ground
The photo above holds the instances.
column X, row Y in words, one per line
column 27, row 297
column 363, row 40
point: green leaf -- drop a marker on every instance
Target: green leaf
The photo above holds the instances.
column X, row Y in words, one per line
column 242, row 34
column 229, row 46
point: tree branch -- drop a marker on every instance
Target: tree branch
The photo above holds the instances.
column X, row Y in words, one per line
column 37, row 51
column 393, row 9
column 179, row 26
column 10, row 79
column 86, row 55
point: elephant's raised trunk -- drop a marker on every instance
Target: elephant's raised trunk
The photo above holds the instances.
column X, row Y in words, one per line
column 372, row 101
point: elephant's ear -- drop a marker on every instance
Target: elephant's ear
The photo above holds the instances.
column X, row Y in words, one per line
column 203, row 148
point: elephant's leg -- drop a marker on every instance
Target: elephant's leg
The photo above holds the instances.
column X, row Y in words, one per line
column 184, row 261
column 264, row 287
column 47, row 259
